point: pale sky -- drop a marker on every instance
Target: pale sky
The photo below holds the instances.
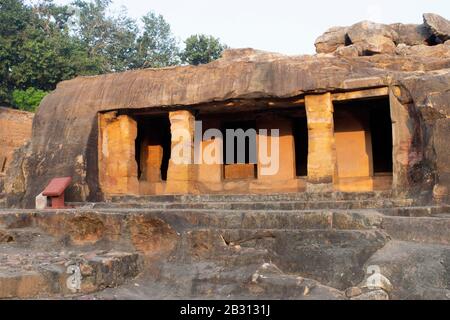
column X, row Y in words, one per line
column 285, row 26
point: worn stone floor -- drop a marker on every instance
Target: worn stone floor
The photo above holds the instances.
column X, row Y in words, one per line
column 281, row 246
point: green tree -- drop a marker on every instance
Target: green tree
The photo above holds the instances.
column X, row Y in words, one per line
column 37, row 49
column 200, row 49
column 14, row 18
column 28, row 99
column 108, row 39
column 51, row 16
column 156, row 46
column 44, row 43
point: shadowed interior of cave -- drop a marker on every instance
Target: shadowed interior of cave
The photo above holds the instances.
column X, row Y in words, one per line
column 363, row 133
column 381, row 128
column 153, row 147
column 234, row 168
column 300, row 131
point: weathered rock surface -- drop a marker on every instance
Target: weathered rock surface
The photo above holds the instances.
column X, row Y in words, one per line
column 418, row 229
column 417, row 271
column 149, row 253
column 5, row 236
column 353, row 292
column 15, row 130
column 411, row 34
column 372, row 38
column 38, row 274
column 269, row 280
column 331, row 40
column 347, row 51
column 440, row 27
column 372, row 295
column 441, row 50
column 339, row 253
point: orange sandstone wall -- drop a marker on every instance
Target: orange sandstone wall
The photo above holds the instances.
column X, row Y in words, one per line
column 15, row 130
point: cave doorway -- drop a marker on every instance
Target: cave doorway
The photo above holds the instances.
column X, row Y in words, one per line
column 300, row 132
column 153, row 147
column 238, row 166
column 363, row 135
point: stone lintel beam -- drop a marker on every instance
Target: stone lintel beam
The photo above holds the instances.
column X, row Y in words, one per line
column 360, row 94
column 321, row 142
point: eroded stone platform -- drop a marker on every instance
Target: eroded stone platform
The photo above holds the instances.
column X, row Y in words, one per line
column 275, row 247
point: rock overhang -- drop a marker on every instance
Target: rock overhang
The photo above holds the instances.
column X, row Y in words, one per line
column 67, row 118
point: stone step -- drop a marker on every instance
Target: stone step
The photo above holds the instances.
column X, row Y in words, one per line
column 102, row 221
column 259, row 219
column 443, row 215
column 261, row 205
column 301, row 196
column 62, row 222
column 28, row 237
column 32, row 274
column 434, row 230
column 416, row 211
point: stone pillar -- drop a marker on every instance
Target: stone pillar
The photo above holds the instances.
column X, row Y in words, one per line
column 321, row 144
column 286, row 152
column 210, row 175
column 180, row 173
column 117, row 162
column 402, row 137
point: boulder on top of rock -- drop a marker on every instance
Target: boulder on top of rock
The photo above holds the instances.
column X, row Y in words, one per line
column 411, row 34
column 372, row 38
column 331, row 40
column 439, row 26
column 347, row 52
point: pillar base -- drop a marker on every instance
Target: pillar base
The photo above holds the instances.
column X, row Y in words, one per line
column 319, row 187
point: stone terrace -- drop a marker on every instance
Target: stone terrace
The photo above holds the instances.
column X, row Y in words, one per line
column 299, row 246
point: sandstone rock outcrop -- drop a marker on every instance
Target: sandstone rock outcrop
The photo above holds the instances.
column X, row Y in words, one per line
column 411, row 34
column 372, row 38
column 440, row 50
column 439, row 26
column 331, row 40
column 65, row 133
column 228, row 247
column 15, row 130
column 375, row 38
column 390, row 243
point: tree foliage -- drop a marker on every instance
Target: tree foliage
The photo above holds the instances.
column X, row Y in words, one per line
column 36, row 48
column 28, row 100
column 156, row 47
column 44, row 43
column 109, row 40
column 202, row 49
